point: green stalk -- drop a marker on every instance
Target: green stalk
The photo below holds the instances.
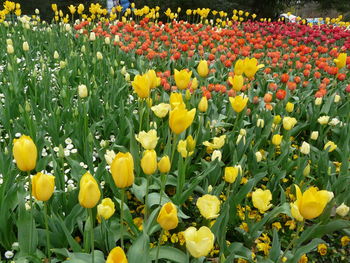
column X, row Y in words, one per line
column 122, row 217
column 300, row 226
column 92, row 235
column 175, row 137
column 31, row 211
column 159, row 240
column 162, row 187
column 47, row 233
column 146, row 196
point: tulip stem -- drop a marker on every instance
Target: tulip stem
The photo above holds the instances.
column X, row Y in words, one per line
column 146, row 197
column 158, row 247
column 92, row 235
column 162, row 187
column 300, row 226
column 122, row 217
column 175, row 137
column 47, row 233
column 31, row 212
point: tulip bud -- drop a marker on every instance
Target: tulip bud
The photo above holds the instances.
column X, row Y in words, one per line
column 122, row 169
column 107, row 40
column 109, row 156
column 43, row 186
column 25, row 153
column 167, row 217
column 164, row 164
column 117, row 255
column 188, row 95
column 92, row 36
column 25, row 46
column 99, row 55
column 27, row 106
column 314, row 135
column 258, row 156
column 10, row 49
column 89, row 192
column 203, row 68
column 342, row 210
column 231, row 173
column 82, row 91
column 149, row 162
column 323, row 120
column 306, row 170
column 336, row 98
column 106, row 209
column 203, row 104
column 56, row 55
column 318, row 101
column 83, row 49
column 260, row 123
column 9, row 42
column 289, row 107
column 37, row 12
column 305, row 148
column 277, row 139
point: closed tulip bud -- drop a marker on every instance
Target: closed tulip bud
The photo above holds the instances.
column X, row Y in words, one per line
column 188, row 95
column 203, row 104
column 37, row 12
column 89, row 192
column 314, row 135
column 10, row 49
column 117, row 255
column 318, row 101
column 277, row 119
column 231, row 173
column 289, row 107
column 25, row 153
column 148, row 139
column 336, row 98
column 310, row 204
column 277, row 139
column 180, row 119
column 306, row 170
column 25, row 46
column 107, row 40
column 92, row 36
column 194, row 84
column 182, row 78
column 63, row 64
column 330, row 146
column 9, row 42
column 237, row 82
column 203, row 68
column 167, row 217
column 258, row 156
column 164, row 164
column 106, row 209
column 209, row 206
column 56, row 55
column 83, row 49
column 99, row 55
column 82, row 91
column 261, row 200
column 238, row 103
column 216, row 155
column 43, row 186
column 122, row 169
column 305, row 148
column 127, row 77
column 149, row 162
column 323, row 120
column 342, row 210
column 199, row 242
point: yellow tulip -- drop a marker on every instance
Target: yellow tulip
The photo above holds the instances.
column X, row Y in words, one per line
column 148, row 139
column 43, row 186
column 149, row 162
column 122, row 169
column 331, row 146
column 238, row 103
column 194, row 84
column 289, row 107
column 217, row 143
column 182, row 78
column 161, row 110
column 251, row 67
column 167, row 217
column 288, row 123
column 72, row 9
column 231, row 173
column 153, row 79
column 203, row 104
column 310, row 204
column 106, row 209
column 261, row 200
column 239, row 67
column 237, row 82
column 141, row 85
column 176, row 100
column 180, row 119
column 340, row 61
column 164, row 164
column 209, row 206
column 80, row 9
column 199, row 242
column 277, row 139
column 54, row 7
column 117, row 255
column 25, row 153
column 203, row 68
column 89, row 192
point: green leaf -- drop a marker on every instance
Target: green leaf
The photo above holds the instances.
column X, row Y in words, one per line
column 276, row 247
column 305, row 249
column 170, row 253
column 139, row 251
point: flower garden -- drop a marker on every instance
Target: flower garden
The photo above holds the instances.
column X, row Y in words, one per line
column 124, row 138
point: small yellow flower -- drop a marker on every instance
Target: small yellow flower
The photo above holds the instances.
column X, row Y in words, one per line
column 322, row 249
column 345, row 241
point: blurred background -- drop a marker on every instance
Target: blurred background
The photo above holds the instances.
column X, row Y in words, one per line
column 263, row 8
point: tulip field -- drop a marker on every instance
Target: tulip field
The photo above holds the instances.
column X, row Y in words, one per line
column 224, row 137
